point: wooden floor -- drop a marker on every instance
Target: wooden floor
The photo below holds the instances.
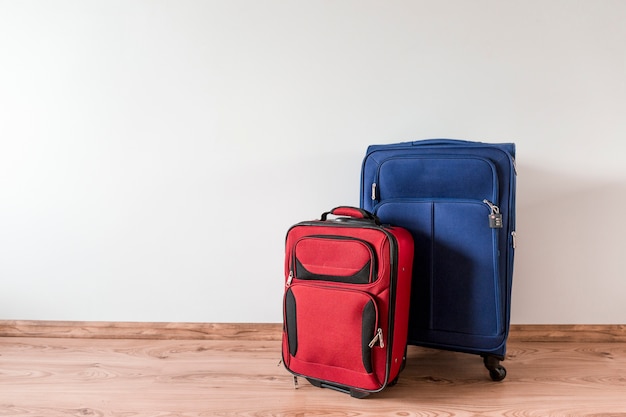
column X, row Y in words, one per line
column 238, row 377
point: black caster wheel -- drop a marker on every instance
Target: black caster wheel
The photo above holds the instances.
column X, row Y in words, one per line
column 498, row 373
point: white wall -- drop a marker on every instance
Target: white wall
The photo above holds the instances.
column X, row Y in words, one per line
column 154, row 153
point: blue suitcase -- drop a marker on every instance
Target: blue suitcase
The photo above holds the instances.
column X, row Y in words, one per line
column 457, row 198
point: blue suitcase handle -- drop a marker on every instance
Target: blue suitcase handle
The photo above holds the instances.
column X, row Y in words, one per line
column 442, row 142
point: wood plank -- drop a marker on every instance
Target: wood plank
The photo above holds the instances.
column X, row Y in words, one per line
column 140, row 330
column 42, row 377
column 568, row 333
column 267, row 331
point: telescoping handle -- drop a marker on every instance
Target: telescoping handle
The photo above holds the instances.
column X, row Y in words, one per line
column 354, row 212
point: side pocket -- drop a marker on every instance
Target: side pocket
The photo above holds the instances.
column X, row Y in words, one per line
column 368, row 328
column 291, row 323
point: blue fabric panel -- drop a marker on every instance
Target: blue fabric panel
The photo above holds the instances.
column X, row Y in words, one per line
column 437, row 177
column 465, row 292
column 457, row 289
column 416, row 216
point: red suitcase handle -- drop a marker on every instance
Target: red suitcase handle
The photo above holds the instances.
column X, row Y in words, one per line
column 353, row 212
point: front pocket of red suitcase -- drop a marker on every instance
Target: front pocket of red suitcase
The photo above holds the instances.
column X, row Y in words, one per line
column 330, row 334
column 334, row 258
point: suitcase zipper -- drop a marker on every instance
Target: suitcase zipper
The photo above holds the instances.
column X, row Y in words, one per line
column 378, row 337
column 492, row 206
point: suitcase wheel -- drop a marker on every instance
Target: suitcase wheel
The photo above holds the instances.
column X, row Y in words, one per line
column 497, row 372
column 354, row 393
column 315, row 382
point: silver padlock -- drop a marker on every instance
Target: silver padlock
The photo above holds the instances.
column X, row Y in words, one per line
column 495, row 218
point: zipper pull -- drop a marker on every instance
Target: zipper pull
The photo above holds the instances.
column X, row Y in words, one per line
column 495, row 218
column 289, row 279
column 378, row 337
column 373, row 191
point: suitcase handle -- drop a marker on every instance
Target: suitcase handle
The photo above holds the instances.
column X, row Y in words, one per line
column 353, row 212
column 442, row 142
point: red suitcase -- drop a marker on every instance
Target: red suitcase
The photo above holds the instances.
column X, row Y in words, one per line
column 346, row 301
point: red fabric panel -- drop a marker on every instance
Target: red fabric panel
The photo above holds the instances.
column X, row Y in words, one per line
column 329, row 324
column 403, row 298
column 328, row 256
